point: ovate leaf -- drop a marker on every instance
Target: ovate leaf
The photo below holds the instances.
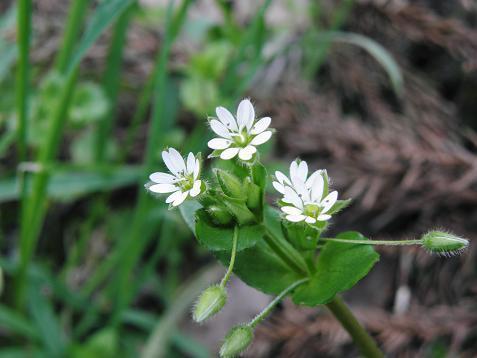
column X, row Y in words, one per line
column 260, row 268
column 340, row 266
column 217, row 238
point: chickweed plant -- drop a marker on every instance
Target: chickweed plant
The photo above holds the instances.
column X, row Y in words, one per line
column 278, row 249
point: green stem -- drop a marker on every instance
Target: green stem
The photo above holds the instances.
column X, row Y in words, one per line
column 131, row 251
column 111, row 82
column 23, row 72
column 232, row 259
column 72, row 29
column 361, row 338
column 261, row 316
column 287, row 253
column 374, row 242
column 33, row 214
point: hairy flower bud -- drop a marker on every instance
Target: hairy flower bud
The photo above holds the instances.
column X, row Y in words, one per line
column 230, row 184
column 210, row 302
column 444, row 243
column 236, row 341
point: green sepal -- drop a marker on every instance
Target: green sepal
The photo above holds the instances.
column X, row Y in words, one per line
column 338, row 206
column 230, row 184
column 239, row 210
column 301, row 235
column 340, row 266
column 216, row 238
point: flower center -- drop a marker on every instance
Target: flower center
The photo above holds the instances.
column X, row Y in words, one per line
column 186, row 182
column 241, row 139
column 312, row 210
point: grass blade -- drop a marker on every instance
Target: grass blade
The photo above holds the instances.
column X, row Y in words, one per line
column 375, row 49
column 104, row 15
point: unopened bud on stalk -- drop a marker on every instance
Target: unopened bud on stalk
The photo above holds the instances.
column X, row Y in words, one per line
column 444, row 243
column 210, row 302
column 236, row 341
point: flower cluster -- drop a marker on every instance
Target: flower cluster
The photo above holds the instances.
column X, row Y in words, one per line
column 305, row 198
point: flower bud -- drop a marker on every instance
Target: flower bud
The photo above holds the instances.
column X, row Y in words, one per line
column 444, row 243
column 254, row 196
column 236, row 341
column 219, row 216
column 230, row 184
column 210, row 302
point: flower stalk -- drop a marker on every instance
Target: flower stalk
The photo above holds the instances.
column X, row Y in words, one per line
column 361, row 338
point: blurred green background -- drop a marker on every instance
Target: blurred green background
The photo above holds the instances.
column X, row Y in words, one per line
column 382, row 94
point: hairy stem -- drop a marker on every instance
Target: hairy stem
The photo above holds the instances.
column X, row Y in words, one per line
column 232, row 258
column 261, row 316
column 361, row 338
column 375, row 242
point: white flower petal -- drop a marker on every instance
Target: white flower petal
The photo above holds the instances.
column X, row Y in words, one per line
column 196, row 188
column 190, row 163
column 247, row 152
column 229, row 153
column 292, row 197
column 294, row 168
column 196, row 168
column 279, row 187
column 176, row 157
column 168, row 161
column 261, row 138
column 173, row 196
column 302, row 170
column 323, row 217
column 295, row 218
column 311, row 179
column 219, row 129
column 291, row 210
column 162, row 178
column 310, row 220
column 245, row 114
column 226, row 118
column 219, row 143
column 180, row 199
column 317, row 188
column 163, row 188
column 261, row 125
column 329, row 201
column 282, row 178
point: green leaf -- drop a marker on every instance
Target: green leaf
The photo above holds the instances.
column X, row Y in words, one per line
column 13, row 322
column 104, row 343
column 340, row 266
column 46, row 322
column 70, row 183
column 104, row 15
column 260, row 268
column 220, row 238
column 188, row 210
column 375, row 49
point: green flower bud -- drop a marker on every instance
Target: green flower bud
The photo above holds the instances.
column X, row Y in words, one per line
column 230, row 184
column 219, row 216
column 236, row 341
column 209, row 303
column 254, row 196
column 444, row 243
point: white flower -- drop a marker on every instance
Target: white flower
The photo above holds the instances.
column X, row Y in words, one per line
column 304, row 194
column 239, row 135
column 183, row 180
